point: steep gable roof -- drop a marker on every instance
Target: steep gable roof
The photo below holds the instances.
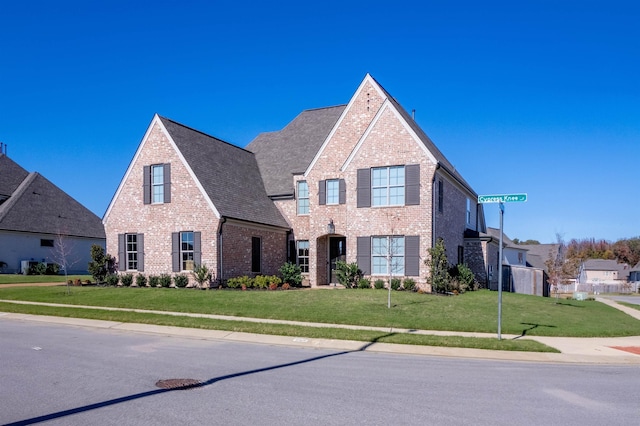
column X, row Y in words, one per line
column 289, row 151
column 228, row 174
column 11, row 176
column 37, row 205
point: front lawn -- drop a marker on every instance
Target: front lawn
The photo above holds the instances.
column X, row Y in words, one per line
column 472, row 312
column 31, row 279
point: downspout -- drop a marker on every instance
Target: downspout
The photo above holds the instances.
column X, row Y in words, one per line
column 222, row 221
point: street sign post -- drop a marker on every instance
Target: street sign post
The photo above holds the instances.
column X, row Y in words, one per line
column 501, row 199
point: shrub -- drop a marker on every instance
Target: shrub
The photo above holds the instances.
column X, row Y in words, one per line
column 202, row 275
column 180, row 280
column 87, row 282
column 409, row 284
column 378, row 284
column 39, row 268
column 438, row 268
column 141, row 280
column 395, row 283
column 165, row 280
column 78, row 281
column 112, row 279
column 465, row 277
column 53, row 269
column 348, row 273
column 154, row 281
column 233, row 282
column 101, row 264
column 126, row 280
column 291, row 274
column 364, row 283
column 285, row 286
column 261, row 281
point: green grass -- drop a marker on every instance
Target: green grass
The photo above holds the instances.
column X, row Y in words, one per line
column 630, row 305
column 30, row 279
column 471, row 312
column 284, row 330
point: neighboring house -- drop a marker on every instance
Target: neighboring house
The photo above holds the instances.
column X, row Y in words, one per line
column 600, row 271
column 359, row 182
column 41, row 223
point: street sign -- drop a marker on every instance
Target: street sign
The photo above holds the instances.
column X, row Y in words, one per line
column 503, row 198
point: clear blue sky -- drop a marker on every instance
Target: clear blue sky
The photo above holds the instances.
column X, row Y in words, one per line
column 541, row 97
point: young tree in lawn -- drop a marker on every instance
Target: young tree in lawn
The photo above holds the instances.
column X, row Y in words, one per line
column 63, row 254
column 561, row 268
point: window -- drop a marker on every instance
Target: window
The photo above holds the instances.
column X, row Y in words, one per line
column 387, row 186
column 46, row 243
column 440, row 196
column 303, row 256
column 187, row 250
column 333, row 191
column 157, row 184
column 256, row 255
column 385, row 250
column 468, row 211
column 460, row 255
column 303, row 197
column 132, row 251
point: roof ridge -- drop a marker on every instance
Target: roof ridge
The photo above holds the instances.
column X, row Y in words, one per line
column 325, row 107
column 17, row 194
column 203, row 133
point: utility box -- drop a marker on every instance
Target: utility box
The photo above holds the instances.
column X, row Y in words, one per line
column 580, row 295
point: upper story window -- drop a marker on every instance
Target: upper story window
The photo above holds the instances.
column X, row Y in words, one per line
column 440, row 196
column 157, row 184
column 333, row 191
column 303, row 197
column 387, row 186
column 468, row 216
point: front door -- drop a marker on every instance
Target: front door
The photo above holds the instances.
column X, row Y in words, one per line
column 337, row 251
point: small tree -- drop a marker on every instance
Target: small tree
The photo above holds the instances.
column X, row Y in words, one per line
column 101, row 264
column 561, row 269
column 202, row 275
column 61, row 254
column 438, row 268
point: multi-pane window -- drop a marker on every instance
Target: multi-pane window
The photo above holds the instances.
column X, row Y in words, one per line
column 303, row 197
column 132, row 251
column 157, row 183
column 387, row 251
column 303, row 256
column 186, row 250
column 387, row 186
column 440, row 196
column 468, row 211
column 333, row 191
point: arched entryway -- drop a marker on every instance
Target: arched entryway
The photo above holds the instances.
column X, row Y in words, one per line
column 330, row 249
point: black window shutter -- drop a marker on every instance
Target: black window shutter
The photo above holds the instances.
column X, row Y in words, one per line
column 122, row 253
column 197, row 248
column 140, row 242
column 363, row 257
column 342, row 195
column 412, row 256
column 322, row 192
column 146, row 184
column 364, row 188
column 167, row 183
column 412, row 184
column 175, row 252
column 292, row 251
column 256, row 254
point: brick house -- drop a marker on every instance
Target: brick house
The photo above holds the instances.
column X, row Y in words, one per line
column 359, row 182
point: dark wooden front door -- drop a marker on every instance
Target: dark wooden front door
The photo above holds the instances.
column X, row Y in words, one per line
column 337, row 251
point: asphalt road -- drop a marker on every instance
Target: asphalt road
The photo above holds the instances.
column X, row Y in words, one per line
column 65, row 375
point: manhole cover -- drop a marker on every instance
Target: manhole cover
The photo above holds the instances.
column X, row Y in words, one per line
column 178, row 383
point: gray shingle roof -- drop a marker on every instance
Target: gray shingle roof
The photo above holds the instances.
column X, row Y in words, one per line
column 290, row 151
column 538, row 254
column 229, row 175
column 11, row 176
column 37, row 205
column 428, row 143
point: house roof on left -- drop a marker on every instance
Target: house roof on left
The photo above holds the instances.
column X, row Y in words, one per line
column 31, row 203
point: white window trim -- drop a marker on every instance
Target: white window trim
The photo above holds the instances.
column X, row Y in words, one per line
column 394, row 257
column 300, row 198
column 388, row 187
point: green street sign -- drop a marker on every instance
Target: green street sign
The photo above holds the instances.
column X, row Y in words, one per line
column 502, row 198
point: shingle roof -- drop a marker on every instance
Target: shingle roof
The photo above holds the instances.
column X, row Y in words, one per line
column 228, row 174
column 37, row 205
column 538, row 254
column 428, row 143
column 290, row 150
column 11, row 176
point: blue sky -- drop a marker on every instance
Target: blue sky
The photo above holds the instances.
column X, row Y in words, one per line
column 541, row 97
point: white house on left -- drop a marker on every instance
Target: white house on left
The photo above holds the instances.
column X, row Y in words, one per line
column 39, row 222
